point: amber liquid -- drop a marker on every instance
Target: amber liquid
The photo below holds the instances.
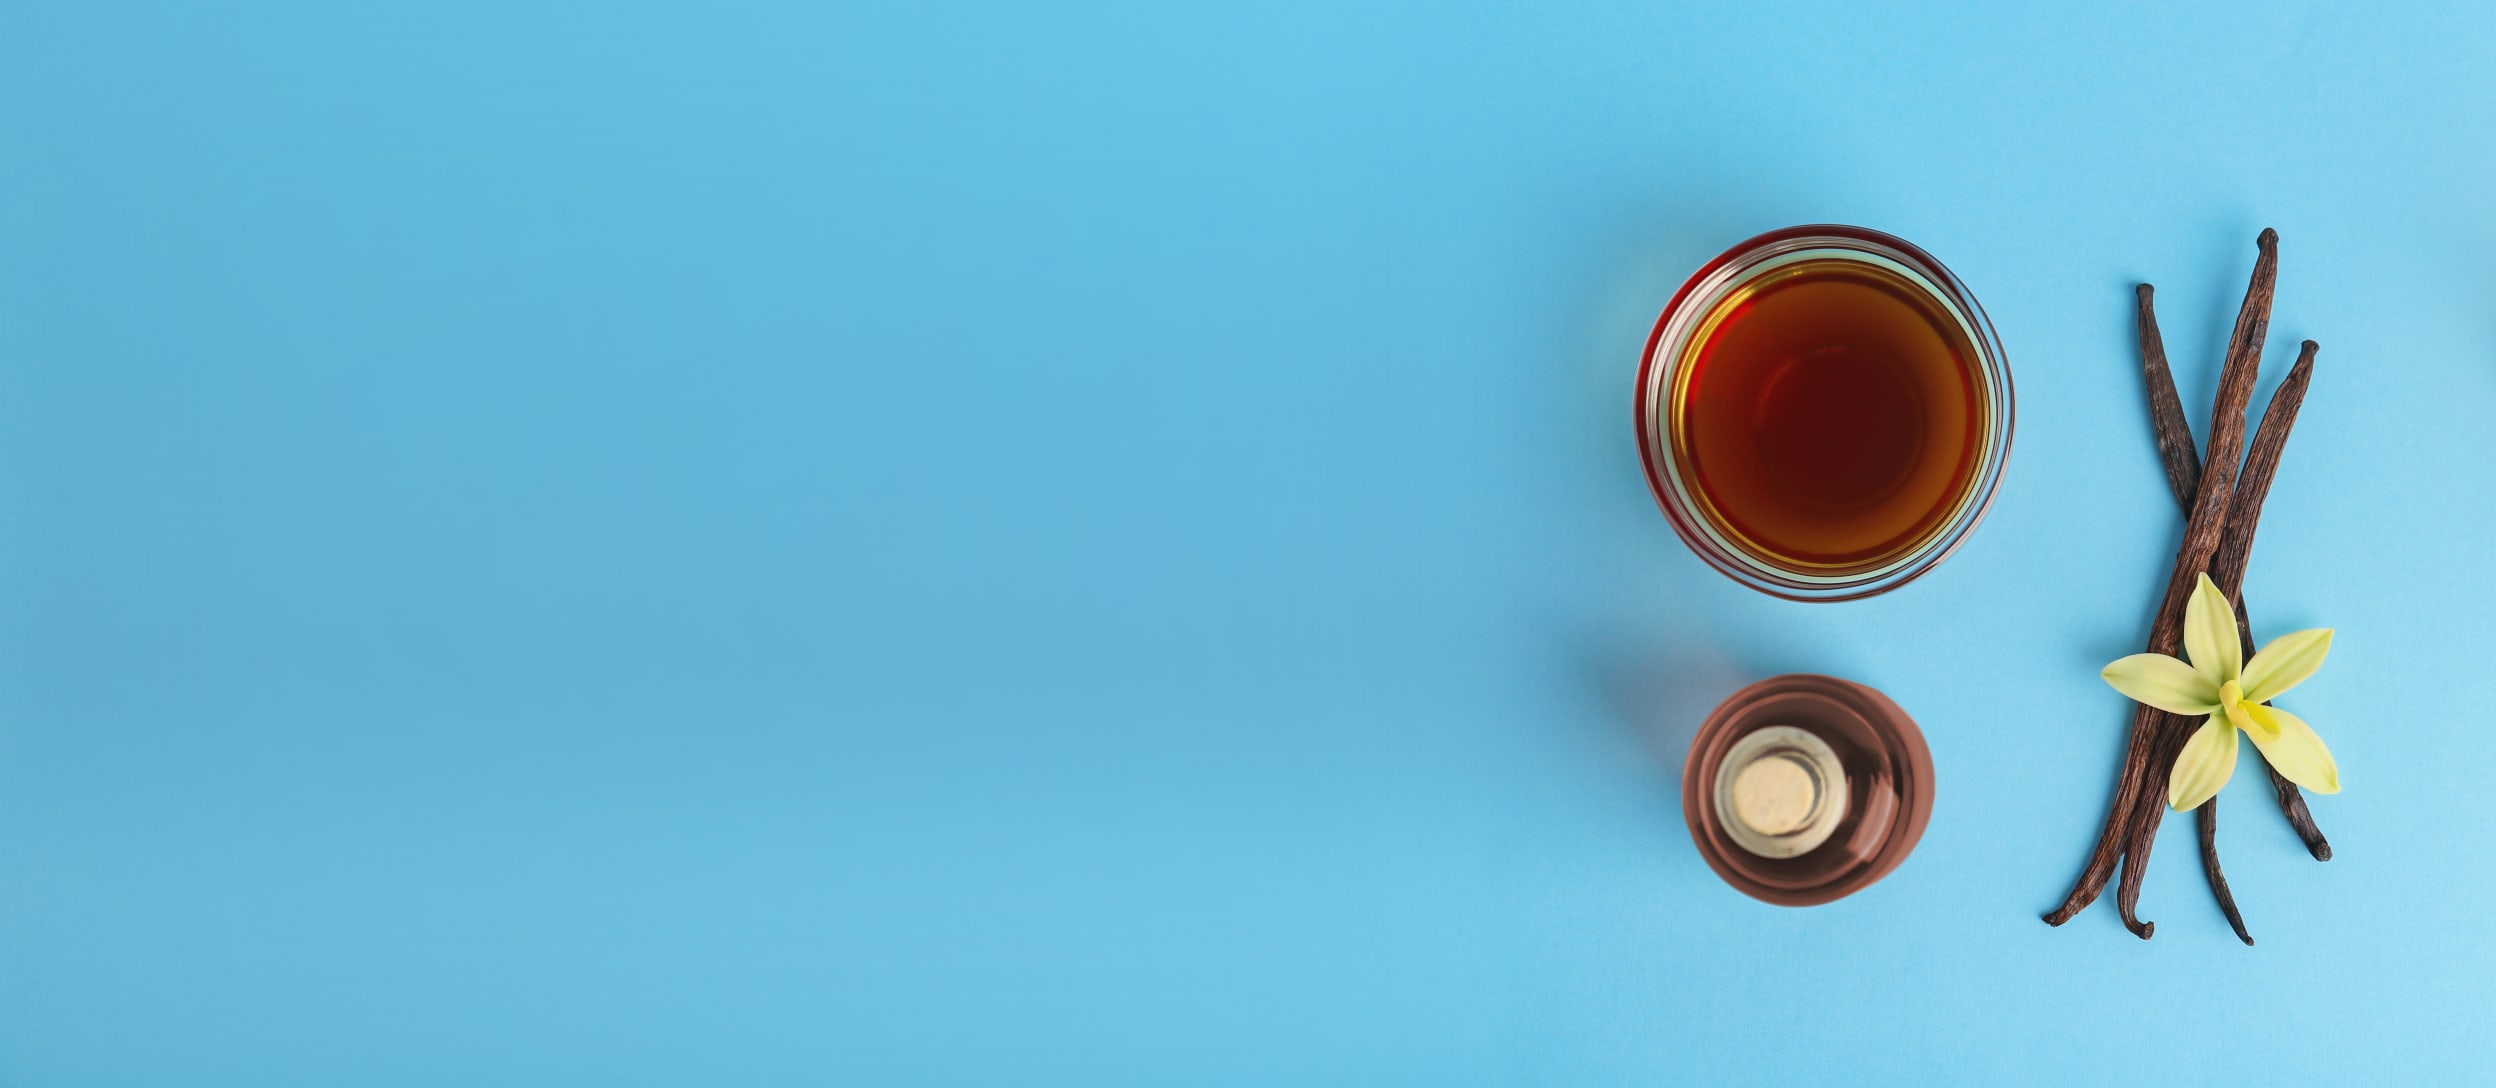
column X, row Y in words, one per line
column 1831, row 416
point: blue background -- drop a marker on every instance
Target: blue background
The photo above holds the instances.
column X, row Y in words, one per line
column 749, row 544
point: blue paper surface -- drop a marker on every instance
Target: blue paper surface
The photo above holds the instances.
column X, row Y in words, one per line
column 921, row 544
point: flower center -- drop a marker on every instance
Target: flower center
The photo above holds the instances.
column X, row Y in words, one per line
column 2242, row 713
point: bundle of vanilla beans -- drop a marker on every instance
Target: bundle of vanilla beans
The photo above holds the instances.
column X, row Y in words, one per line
column 2221, row 509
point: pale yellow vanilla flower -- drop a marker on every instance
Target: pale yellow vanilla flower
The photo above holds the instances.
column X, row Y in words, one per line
column 2230, row 691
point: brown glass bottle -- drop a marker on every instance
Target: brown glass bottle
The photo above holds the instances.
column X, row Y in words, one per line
column 1801, row 789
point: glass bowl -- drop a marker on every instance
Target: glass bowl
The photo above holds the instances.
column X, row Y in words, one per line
column 1664, row 384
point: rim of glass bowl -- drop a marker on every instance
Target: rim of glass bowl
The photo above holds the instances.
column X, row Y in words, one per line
column 1660, row 368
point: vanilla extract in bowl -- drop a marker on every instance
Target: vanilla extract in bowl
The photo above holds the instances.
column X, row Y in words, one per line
column 1824, row 412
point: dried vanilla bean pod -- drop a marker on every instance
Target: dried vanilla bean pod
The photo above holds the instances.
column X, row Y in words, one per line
column 2201, row 538
column 2237, row 547
column 2253, row 485
column 2227, row 572
column 2166, row 411
column 2168, row 734
column 2183, row 465
column 2208, row 821
column 2293, row 803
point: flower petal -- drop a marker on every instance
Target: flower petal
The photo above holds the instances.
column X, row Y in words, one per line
column 2294, row 751
column 2210, row 638
column 2285, row 662
column 2204, row 765
column 2163, row 682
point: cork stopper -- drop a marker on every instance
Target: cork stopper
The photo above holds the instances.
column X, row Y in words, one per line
column 1780, row 792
